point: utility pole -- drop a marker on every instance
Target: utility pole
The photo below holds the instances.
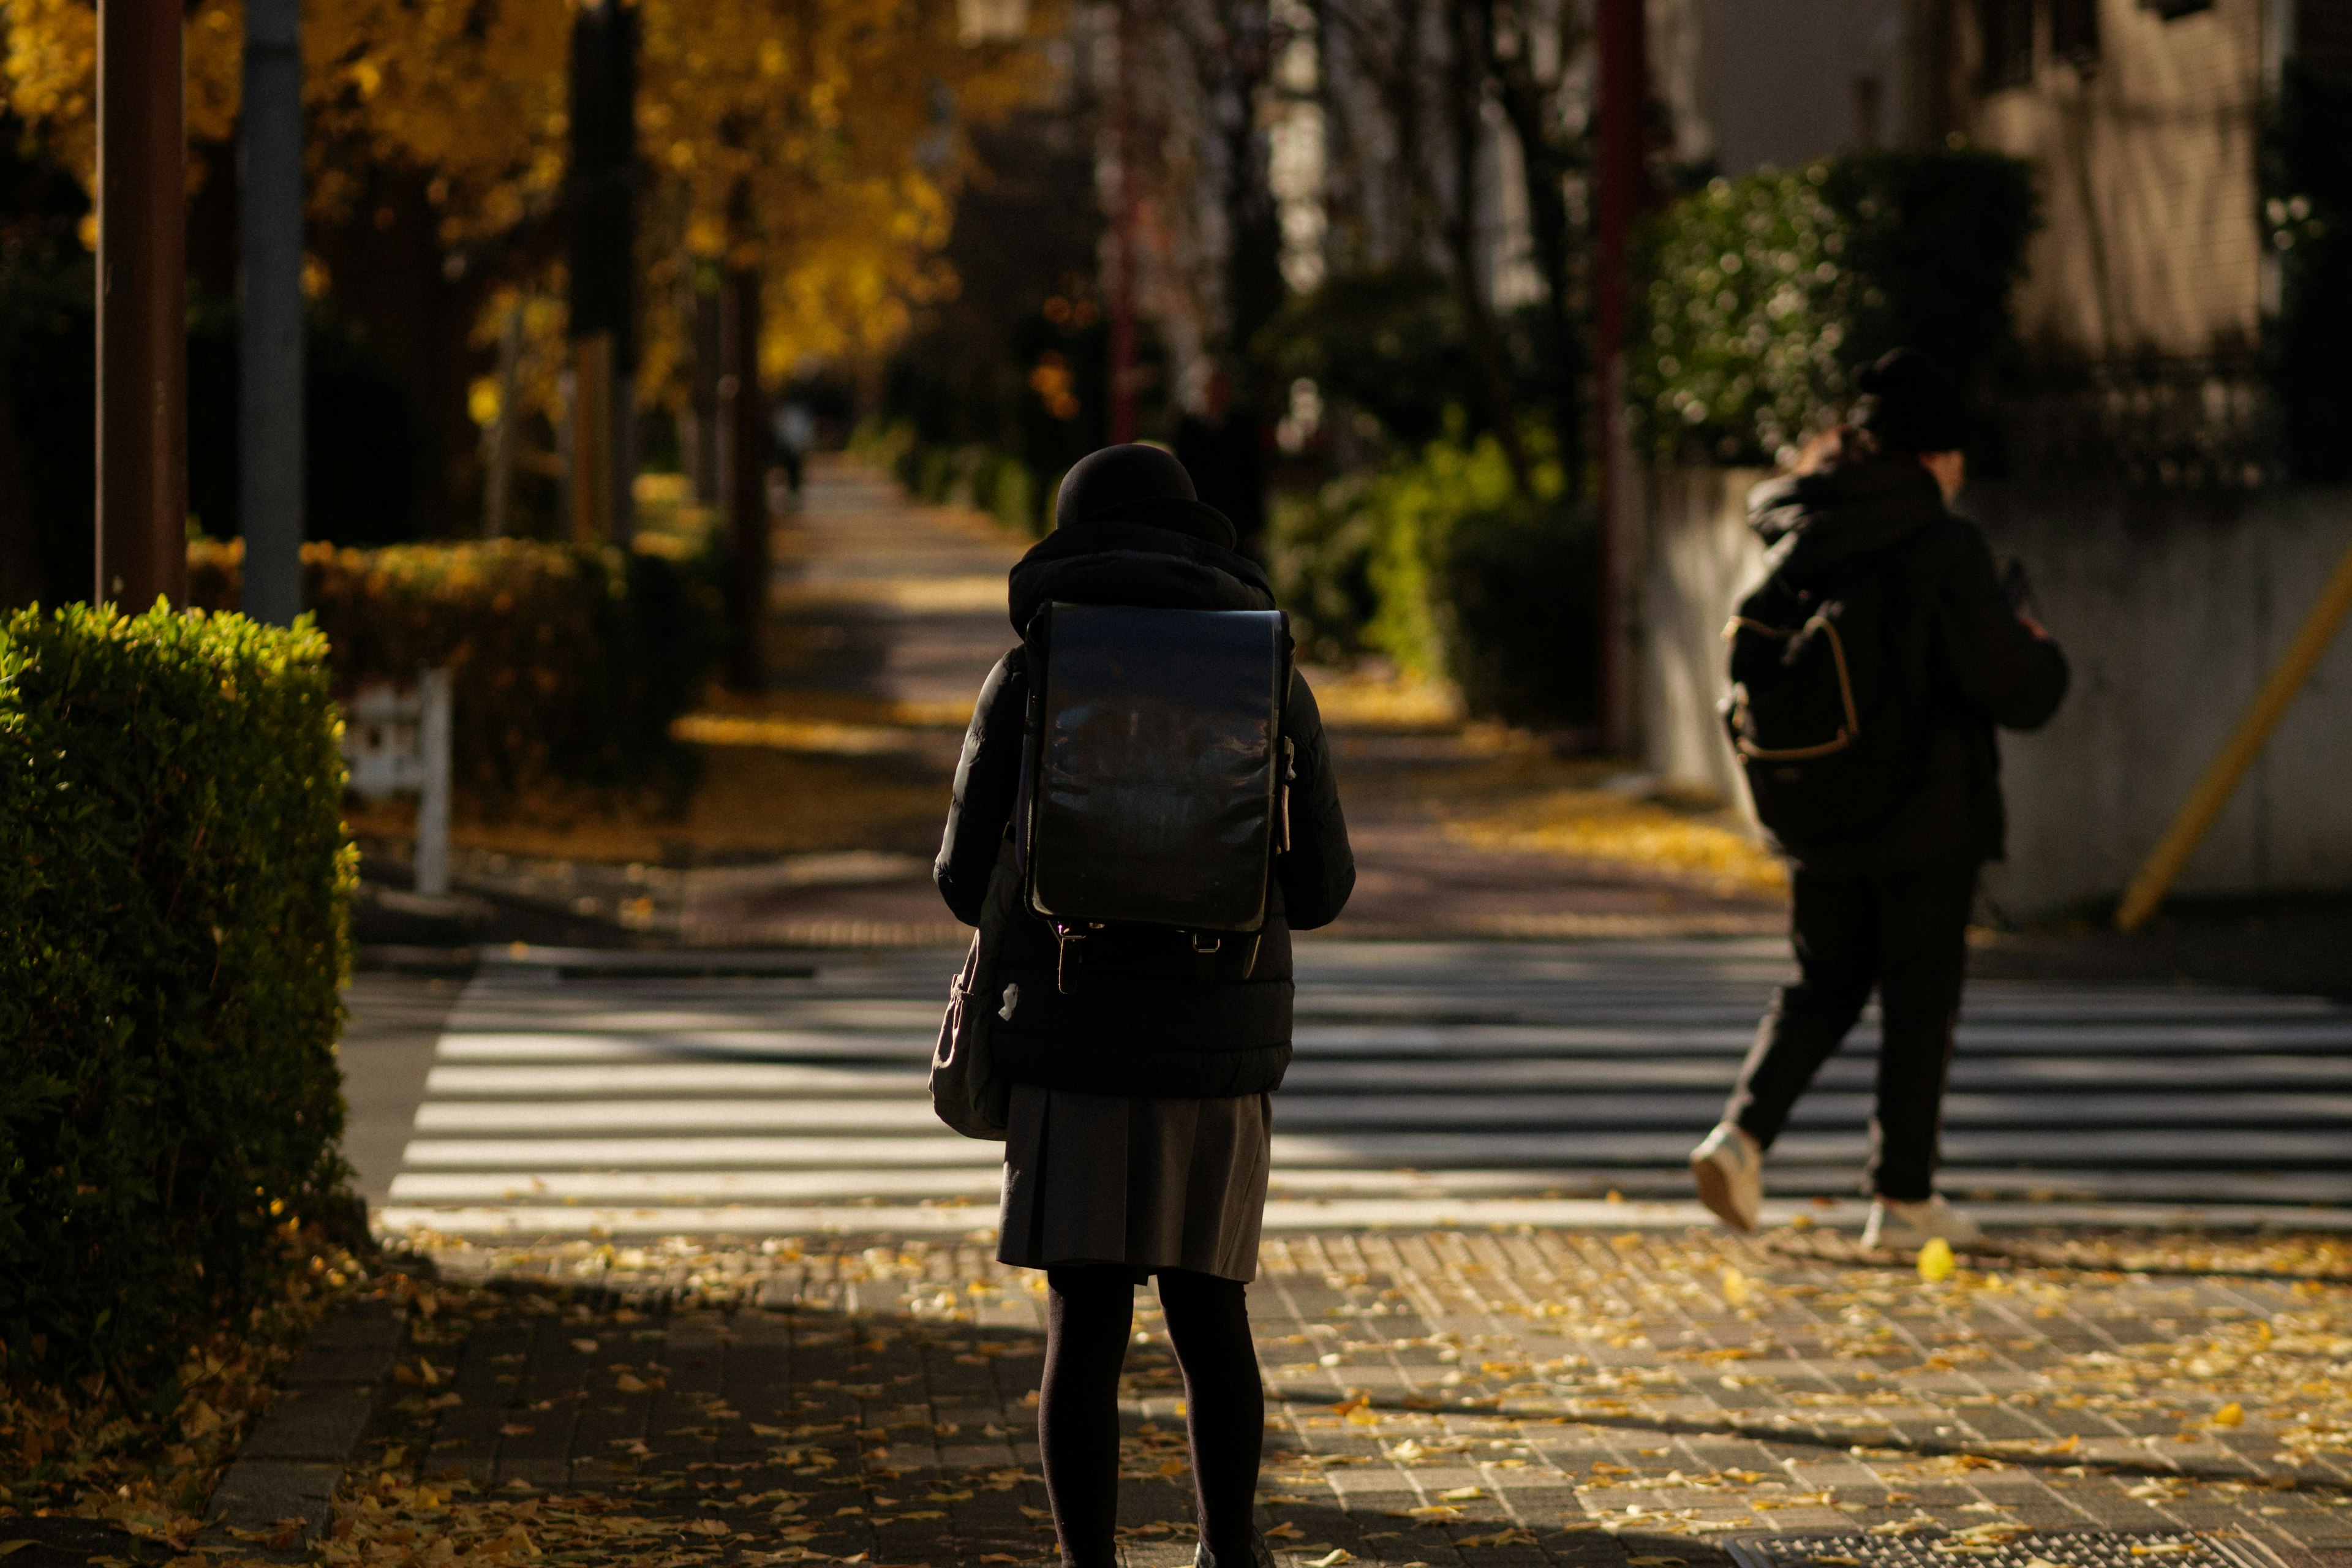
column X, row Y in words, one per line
column 1624, row 178
column 270, row 426
column 603, row 268
column 143, row 306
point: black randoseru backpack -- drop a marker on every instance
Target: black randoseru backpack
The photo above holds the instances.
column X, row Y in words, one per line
column 1826, row 727
column 1156, row 775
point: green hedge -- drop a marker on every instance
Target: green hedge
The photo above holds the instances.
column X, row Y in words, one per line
column 1764, row 294
column 1444, row 565
column 568, row 663
column 174, row 871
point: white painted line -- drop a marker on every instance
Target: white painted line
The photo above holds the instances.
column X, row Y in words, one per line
column 586, row 1046
column 673, row 1078
column 522, row 1221
column 907, row 1115
column 692, row 1187
column 940, row 1147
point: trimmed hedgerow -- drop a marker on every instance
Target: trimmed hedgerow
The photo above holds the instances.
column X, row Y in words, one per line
column 175, row 876
column 1765, row 294
column 567, row 663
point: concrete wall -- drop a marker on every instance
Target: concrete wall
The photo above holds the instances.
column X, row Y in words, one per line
column 2172, row 607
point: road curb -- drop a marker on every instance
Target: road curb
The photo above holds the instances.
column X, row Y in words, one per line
column 286, row 1470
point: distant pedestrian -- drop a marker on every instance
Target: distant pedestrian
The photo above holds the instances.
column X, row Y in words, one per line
column 796, row 432
column 1869, row 672
column 1142, row 1055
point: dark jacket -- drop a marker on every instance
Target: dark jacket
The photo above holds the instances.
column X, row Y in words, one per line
column 1139, row 1019
column 1955, row 640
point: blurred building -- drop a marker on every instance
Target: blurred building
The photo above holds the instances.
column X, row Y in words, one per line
column 2149, row 286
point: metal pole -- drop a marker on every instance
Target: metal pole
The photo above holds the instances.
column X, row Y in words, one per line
column 1624, row 178
column 2203, row 808
column 143, row 306
column 744, row 409
column 270, row 427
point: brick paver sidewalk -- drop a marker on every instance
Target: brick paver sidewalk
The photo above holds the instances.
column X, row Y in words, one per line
column 1474, row 1398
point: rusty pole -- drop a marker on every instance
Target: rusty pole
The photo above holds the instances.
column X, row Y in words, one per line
column 1624, row 181
column 1121, row 425
column 143, row 306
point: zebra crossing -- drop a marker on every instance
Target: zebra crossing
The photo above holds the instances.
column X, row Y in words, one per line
column 576, row 1093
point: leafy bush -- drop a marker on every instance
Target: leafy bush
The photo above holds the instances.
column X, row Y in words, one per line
column 174, row 866
column 1444, row 565
column 566, row 662
column 1765, row 294
column 973, row 474
column 1388, row 342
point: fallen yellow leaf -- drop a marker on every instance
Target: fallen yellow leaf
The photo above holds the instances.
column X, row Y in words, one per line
column 1463, row 1494
column 1735, row 1287
column 1936, row 1263
column 2230, row 1415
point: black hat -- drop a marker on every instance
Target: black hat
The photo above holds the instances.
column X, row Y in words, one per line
column 1913, row 403
column 1135, row 483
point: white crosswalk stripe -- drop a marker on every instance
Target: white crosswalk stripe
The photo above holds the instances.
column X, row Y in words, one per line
column 611, row 1093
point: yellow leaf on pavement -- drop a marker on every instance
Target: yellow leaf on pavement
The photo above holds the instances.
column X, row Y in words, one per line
column 1936, row 1262
column 2230, row 1415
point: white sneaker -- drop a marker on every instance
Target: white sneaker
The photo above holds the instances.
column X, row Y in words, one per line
column 1729, row 1170
column 1906, row 1227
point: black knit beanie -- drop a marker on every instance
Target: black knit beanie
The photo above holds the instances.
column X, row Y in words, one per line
column 1136, row 483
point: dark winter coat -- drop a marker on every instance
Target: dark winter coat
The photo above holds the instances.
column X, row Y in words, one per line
column 1955, row 638
column 1138, row 1019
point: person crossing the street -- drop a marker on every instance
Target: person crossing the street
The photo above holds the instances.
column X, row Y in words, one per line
column 1870, row 671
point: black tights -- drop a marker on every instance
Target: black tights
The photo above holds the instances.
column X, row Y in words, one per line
column 1090, row 1311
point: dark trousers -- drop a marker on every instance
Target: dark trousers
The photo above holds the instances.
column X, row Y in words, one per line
column 1090, row 1311
column 1905, row 934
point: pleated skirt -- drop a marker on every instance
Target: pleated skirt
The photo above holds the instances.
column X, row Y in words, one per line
column 1149, row 1184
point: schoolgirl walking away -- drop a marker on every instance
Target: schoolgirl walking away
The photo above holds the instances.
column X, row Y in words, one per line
column 1142, row 1057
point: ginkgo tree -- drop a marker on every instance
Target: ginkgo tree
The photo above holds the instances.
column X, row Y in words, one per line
column 814, row 144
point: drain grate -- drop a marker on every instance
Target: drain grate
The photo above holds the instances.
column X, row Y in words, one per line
column 2036, row 1548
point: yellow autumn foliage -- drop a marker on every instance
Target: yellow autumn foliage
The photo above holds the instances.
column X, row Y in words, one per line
column 815, row 141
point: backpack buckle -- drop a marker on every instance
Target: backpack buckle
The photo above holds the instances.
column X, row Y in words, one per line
column 1204, row 959
column 1069, row 955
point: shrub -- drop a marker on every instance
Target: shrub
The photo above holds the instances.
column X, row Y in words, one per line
column 1445, row 566
column 566, row 662
column 1765, row 294
column 173, row 866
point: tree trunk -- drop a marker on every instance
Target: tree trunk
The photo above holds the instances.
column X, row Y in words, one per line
column 1466, row 72
column 20, row 544
column 1546, row 159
